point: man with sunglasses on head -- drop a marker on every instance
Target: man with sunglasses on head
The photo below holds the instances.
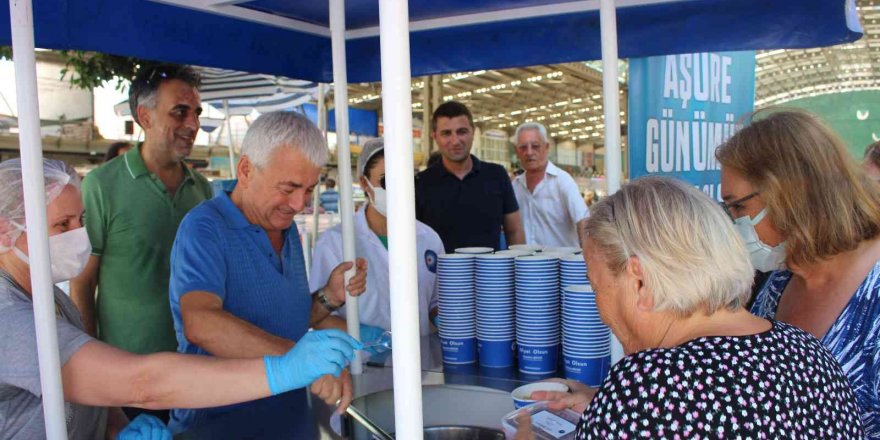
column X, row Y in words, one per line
column 133, row 207
column 553, row 210
column 371, row 244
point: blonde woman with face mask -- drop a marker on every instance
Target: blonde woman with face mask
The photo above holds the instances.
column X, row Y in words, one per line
column 371, row 243
column 810, row 215
column 96, row 375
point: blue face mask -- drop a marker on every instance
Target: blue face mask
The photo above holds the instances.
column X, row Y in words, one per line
column 763, row 257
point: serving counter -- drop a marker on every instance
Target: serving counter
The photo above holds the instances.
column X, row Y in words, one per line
column 458, row 395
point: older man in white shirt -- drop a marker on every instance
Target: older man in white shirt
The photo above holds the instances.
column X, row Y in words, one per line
column 553, row 211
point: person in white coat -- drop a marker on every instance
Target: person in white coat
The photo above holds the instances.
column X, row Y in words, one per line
column 371, row 243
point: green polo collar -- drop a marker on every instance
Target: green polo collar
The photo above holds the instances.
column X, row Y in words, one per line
column 136, row 167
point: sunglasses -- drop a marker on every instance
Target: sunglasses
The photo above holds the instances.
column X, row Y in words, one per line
column 159, row 74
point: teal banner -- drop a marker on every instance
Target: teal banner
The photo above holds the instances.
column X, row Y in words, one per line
column 681, row 107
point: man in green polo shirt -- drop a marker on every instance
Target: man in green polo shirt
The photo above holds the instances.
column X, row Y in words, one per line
column 133, row 206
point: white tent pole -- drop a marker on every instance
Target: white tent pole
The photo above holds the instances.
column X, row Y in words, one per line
column 397, row 117
column 427, row 110
column 322, row 125
column 343, row 159
column 611, row 106
column 229, row 138
column 22, row 20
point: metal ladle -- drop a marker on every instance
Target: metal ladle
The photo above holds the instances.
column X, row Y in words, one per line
column 358, row 416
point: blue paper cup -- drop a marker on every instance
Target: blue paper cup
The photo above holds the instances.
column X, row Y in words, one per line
column 500, row 316
column 496, row 277
column 534, row 296
column 526, row 247
column 549, row 333
column 537, row 359
column 474, row 250
column 491, row 324
column 499, row 300
column 495, row 353
column 515, row 252
column 583, row 319
column 499, row 335
column 499, row 290
column 585, row 335
column 589, row 371
column 451, row 292
column 537, row 340
column 459, row 350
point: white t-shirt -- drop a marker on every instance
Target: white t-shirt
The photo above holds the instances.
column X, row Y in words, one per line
column 375, row 302
column 550, row 213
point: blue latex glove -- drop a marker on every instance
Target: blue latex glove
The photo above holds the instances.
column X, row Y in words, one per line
column 145, row 427
column 317, row 353
column 370, row 335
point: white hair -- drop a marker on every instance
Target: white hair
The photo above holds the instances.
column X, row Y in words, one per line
column 284, row 129
column 690, row 255
column 537, row 126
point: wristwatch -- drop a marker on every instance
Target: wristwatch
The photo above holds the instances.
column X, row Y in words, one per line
column 325, row 302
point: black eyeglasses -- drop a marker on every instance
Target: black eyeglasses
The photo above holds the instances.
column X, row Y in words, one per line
column 736, row 204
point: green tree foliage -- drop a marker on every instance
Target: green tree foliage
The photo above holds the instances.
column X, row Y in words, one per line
column 88, row 70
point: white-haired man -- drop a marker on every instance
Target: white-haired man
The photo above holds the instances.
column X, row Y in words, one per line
column 552, row 208
column 238, row 280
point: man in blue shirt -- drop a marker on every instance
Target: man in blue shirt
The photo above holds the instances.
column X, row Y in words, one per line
column 466, row 200
column 238, row 280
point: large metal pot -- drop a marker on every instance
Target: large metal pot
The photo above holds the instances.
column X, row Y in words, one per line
column 451, row 412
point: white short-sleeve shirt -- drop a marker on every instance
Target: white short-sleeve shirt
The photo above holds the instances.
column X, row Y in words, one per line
column 375, row 303
column 550, row 213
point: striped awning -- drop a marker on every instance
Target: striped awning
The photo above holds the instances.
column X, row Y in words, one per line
column 246, row 92
column 223, row 84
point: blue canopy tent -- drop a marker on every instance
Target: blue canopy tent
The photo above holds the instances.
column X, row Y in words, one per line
column 291, row 38
column 310, row 40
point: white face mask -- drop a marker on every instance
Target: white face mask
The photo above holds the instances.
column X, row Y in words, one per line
column 68, row 252
column 378, row 200
column 764, row 258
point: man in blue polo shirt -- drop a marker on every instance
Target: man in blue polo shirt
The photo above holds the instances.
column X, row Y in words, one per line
column 466, row 200
column 238, row 280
